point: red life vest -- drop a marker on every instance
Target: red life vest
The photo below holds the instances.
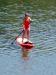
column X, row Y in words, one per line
column 26, row 23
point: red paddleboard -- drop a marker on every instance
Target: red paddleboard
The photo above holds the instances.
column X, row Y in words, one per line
column 26, row 44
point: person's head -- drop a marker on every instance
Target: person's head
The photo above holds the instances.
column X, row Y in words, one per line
column 27, row 14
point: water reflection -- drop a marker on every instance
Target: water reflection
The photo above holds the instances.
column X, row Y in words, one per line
column 25, row 54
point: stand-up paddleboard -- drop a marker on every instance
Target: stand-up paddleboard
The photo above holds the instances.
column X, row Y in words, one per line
column 26, row 44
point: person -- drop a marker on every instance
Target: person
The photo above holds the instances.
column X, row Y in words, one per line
column 26, row 26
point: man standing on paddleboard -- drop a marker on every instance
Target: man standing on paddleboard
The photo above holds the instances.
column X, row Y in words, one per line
column 26, row 26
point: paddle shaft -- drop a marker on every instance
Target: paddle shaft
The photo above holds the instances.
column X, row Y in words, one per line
column 18, row 35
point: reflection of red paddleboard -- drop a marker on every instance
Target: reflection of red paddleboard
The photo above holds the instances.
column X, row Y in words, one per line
column 26, row 44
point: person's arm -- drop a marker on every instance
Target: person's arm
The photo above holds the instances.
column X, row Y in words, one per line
column 31, row 20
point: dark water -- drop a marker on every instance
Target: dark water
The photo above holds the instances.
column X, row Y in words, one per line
column 42, row 59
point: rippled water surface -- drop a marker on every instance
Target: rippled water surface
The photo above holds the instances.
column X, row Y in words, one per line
column 42, row 58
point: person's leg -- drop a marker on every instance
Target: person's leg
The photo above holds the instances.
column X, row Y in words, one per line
column 23, row 35
column 28, row 34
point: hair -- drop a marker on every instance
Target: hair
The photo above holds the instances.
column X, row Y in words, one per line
column 27, row 14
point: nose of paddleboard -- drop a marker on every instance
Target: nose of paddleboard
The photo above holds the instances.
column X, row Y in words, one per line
column 19, row 40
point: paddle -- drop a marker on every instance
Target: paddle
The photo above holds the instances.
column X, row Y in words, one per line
column 18, row 35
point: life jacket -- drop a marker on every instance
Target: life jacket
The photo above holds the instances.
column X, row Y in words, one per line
column 26, row 23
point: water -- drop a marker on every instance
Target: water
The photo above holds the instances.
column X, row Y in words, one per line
column 42, row 58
